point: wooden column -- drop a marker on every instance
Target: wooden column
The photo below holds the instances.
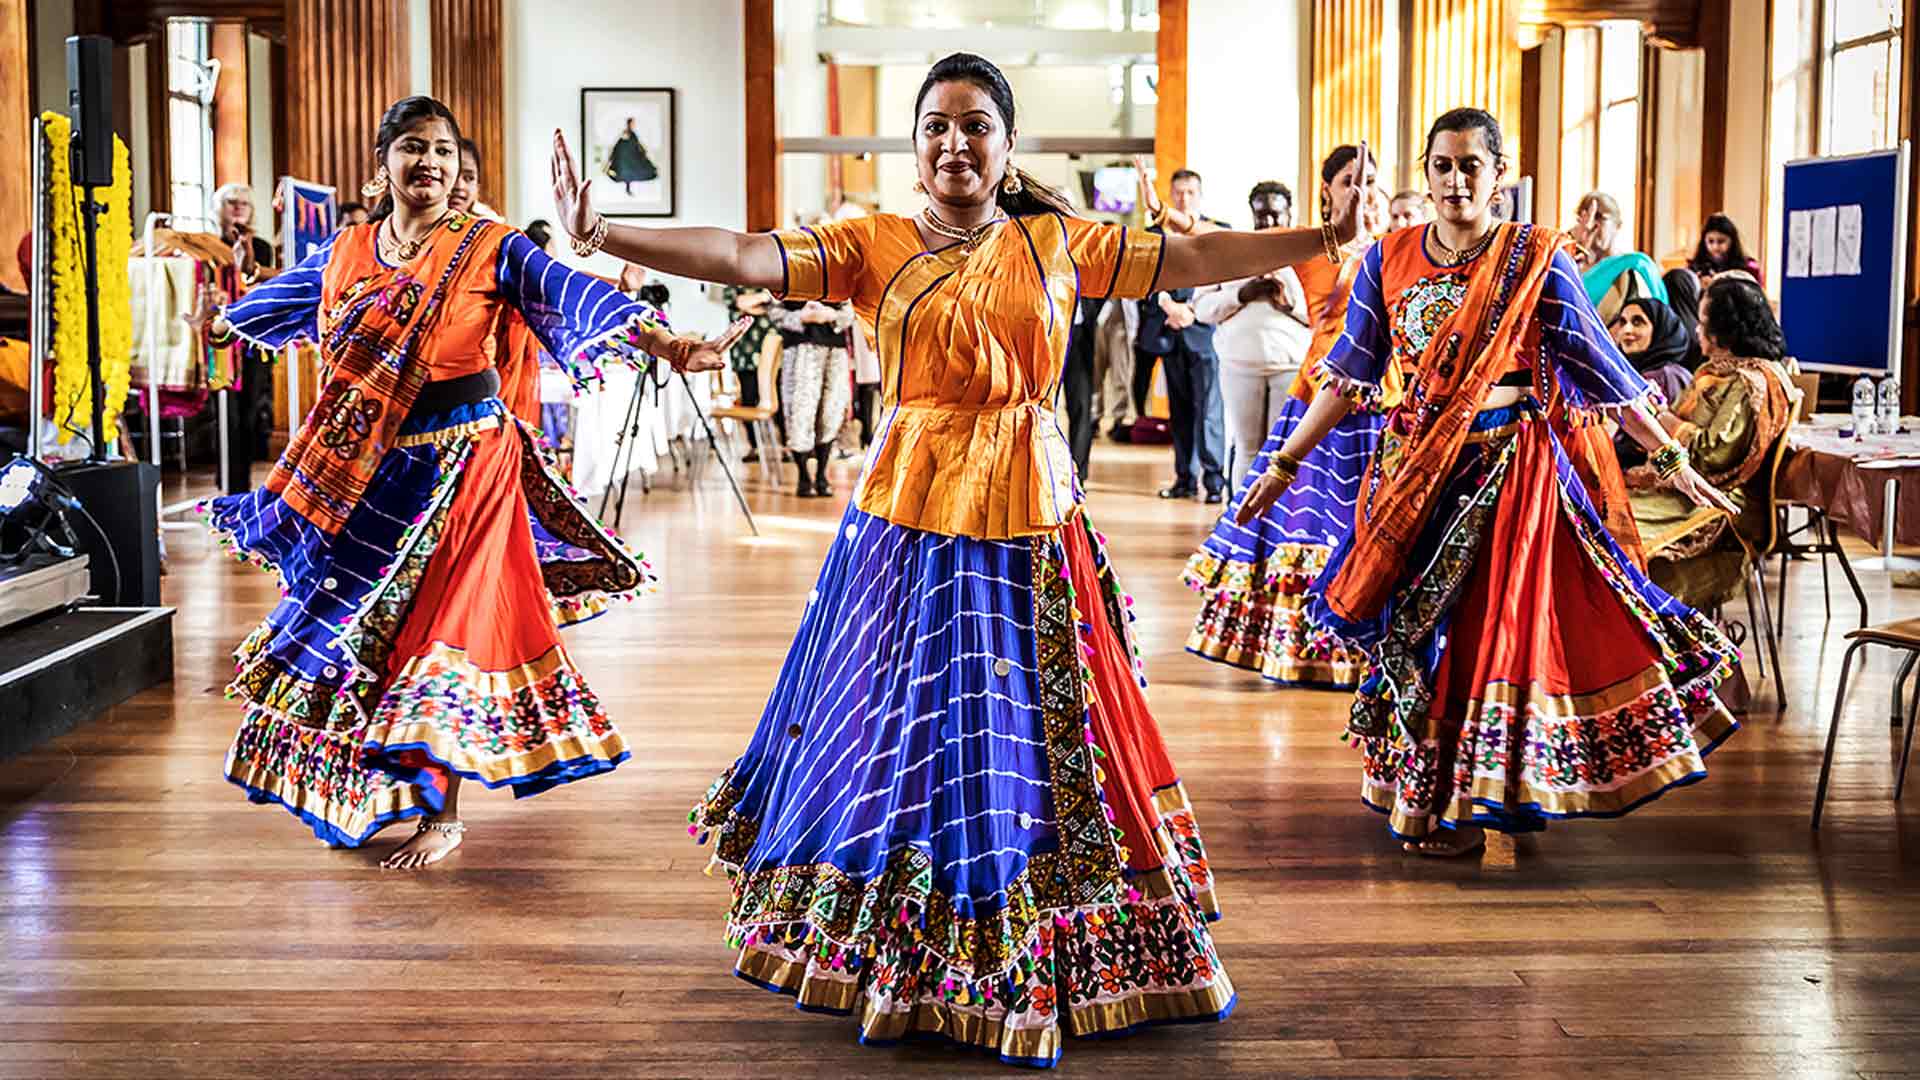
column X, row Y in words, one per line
column 1346, row 80
column 467, row 78
column 1716, row 28
column 16, row 131
column 232, row 159
column 347, row 61
column 762, row 120
column 1461, row 53
column 1170, row 110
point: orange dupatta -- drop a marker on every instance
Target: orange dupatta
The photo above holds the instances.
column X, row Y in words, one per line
column 369, row 352
column 1460, row 365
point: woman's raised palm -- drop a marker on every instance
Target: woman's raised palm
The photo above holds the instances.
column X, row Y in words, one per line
column 571, row 196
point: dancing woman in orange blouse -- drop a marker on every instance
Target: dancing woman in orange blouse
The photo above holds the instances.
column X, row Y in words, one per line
column 957, row 816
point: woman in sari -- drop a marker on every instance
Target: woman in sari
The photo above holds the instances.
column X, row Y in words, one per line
column 1522, row 666
column 425, row 549
column 956, row 816
column 1255, row 576
column 1730, row 419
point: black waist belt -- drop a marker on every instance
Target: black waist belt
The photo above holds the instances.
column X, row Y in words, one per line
column 443, row 395
column 1515, row 378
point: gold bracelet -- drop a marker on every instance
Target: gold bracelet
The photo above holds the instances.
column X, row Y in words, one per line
column 594, row 240
column 1331, row 241
column 1282, row 467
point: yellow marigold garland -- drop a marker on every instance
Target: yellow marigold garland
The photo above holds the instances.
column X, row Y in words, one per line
column 72, row 387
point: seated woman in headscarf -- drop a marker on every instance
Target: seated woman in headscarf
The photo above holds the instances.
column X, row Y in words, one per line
column 1683, row 296
column 1730, row 419
column 1655, row 342
column 1611, row 276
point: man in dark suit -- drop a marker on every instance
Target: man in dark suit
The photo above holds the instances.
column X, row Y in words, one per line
column 1171, row 336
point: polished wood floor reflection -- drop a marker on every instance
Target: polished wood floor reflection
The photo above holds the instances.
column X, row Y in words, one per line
column 153, row 924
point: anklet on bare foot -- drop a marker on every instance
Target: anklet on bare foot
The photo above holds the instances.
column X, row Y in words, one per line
column 431, row 842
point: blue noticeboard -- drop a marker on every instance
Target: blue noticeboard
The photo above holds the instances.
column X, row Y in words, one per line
column 1842, row 280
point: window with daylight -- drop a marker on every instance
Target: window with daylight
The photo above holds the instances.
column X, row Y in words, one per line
column 1862, row 54
column 190, row 78
column 1600, row 115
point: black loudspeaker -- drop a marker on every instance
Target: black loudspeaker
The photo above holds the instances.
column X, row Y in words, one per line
column 122, row 500
column 90, row 107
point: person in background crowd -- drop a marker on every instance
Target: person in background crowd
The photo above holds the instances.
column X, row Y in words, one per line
column 1612, row 275
column 1655, row 342
column 1173, row 337
column 1409, row 208
column 1683, row 297
column 1730, row 419
column 351, row 213
column 816, row 383
column 1720, row 250
column 1113, row 369
column 1260, row 334
column 1077, row 380
column 749, row 304
column 465, row 196
column 250, row 425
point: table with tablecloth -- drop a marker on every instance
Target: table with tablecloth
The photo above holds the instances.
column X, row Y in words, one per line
column 1848, row 477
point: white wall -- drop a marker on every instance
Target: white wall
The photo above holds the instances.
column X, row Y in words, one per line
column 553, row 49
column 1240, row 51
column 52, row 25
column 262, row 117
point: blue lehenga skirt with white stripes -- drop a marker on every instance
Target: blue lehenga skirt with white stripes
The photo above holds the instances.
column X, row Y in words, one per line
column 956, row 817
column 1255, row 578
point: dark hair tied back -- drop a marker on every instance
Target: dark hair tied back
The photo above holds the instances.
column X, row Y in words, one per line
column 401, row 117
column 1033, row 197
column 1462, row 120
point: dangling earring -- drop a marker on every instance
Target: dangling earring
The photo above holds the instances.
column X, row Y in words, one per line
column 919, row 188
column 1012, row 185
column 377, row 186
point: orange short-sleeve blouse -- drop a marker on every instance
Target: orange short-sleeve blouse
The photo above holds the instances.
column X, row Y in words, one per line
column 971, row 344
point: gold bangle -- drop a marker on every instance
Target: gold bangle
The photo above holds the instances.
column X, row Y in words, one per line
column 1669, row 459
column 1282, row 467
column 594, row 240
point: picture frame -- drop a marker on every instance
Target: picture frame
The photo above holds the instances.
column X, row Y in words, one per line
column 629, row 147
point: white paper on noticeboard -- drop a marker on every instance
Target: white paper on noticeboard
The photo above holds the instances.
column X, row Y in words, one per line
column 1846, row 252
column 1820, row 259
column 1799, row 241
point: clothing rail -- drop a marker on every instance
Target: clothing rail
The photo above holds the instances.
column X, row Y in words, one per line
column 153, row 384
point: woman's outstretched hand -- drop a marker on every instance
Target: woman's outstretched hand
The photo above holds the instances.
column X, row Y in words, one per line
column 1264, row 493
column 571, row 197
column 711, row 354
column 1348, row 217
column 1690, row 483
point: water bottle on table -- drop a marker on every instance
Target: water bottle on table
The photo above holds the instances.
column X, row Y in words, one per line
column 1887, row 406
column 1864, row 407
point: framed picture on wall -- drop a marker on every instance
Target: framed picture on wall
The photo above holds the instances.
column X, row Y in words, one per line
column 627, row 141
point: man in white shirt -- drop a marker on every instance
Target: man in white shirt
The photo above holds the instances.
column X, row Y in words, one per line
column 1261, row 336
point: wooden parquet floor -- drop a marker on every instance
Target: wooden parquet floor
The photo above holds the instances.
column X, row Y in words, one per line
column 154, row 924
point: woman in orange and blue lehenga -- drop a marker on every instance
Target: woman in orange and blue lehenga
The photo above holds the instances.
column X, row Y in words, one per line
column 956, row 817
column 1255, row 576
column 425, row 548
column 1523, row 668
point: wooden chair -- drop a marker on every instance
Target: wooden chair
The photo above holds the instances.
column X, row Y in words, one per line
column 760, row 417
column 1902, row 636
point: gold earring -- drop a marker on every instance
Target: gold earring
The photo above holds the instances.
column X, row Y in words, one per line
column 377, row 186
column 919, row 188
column 1012, row 185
